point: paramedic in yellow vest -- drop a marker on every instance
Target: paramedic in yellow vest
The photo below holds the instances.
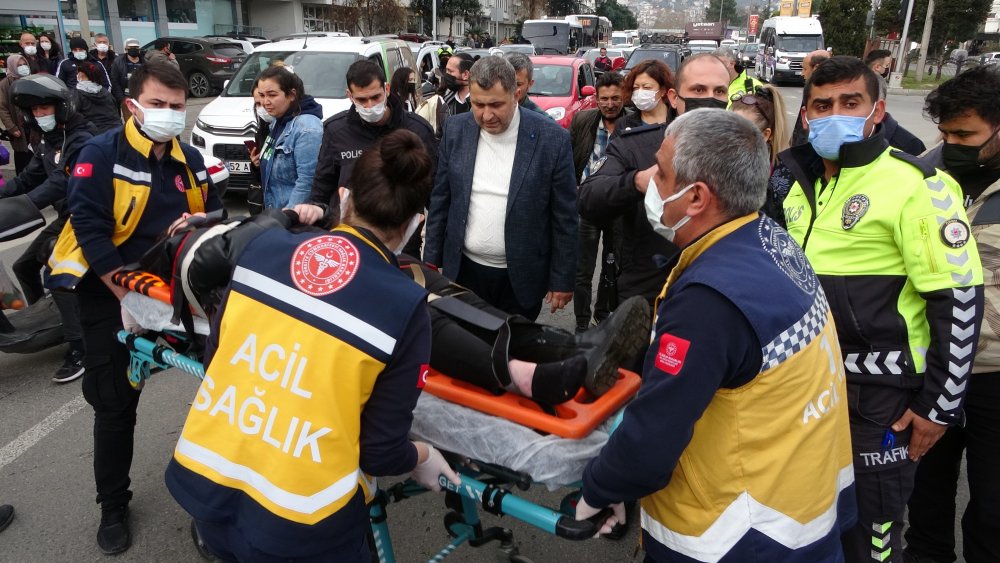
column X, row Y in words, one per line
column 315, row 363
column 127, row 187
column 738, row 442
column 890, row 241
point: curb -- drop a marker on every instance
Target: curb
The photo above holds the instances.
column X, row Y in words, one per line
column 908, row 92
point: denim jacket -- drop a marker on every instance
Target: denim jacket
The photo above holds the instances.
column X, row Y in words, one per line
column 293, row 155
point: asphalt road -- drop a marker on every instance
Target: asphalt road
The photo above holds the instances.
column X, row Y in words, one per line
column 46, row 456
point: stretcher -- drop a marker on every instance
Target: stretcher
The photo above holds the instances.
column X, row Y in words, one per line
column 493, row 456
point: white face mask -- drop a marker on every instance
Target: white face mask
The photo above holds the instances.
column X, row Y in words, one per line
column 264, row 116
column 30, row 50
column 654, row 210
column 79, row 55
column 373, row 114
column 410, row 229
column 46, row 122
column 161, row 125
column 23, row 70
column 88, row 86
column 45, row 45
column 102, row 48
column 644, row 100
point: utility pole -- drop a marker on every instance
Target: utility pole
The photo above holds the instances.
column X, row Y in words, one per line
column 434, row 19
column 896, row 79
column 925, row 41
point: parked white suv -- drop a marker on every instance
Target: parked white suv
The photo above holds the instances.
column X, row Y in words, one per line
column 229, row 120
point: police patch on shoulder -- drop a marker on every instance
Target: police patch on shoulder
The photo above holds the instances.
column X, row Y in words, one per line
column 594, row 167
column 955, row 233
column 854, row 210
column 322, row 265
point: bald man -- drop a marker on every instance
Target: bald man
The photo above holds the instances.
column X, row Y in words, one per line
column 799, row 134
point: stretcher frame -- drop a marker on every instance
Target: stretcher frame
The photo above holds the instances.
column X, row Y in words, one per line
column 483, row 485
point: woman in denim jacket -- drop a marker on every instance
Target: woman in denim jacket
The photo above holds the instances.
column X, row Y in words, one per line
column 288, row 157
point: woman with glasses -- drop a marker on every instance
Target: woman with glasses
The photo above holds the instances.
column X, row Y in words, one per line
column 766, row 109
column 646, row 87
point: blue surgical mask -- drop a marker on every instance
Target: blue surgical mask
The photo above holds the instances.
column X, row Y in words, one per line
column 46, row 122
column 828, row 134
column 654, row 210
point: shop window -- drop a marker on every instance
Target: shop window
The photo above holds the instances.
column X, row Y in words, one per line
column 94, row 10
column 181, row 11
column 135, row 10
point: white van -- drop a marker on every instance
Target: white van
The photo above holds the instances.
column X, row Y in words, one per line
column 229, row 120
column 784, row 42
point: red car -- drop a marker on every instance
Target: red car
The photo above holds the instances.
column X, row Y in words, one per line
column 563, row 86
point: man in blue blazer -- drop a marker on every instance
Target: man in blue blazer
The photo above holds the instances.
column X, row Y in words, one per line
column 502, row 220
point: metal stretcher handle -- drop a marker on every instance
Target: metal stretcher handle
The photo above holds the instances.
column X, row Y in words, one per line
column 500, row 501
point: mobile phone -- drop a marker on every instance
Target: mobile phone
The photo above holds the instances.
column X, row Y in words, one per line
column 251, row 144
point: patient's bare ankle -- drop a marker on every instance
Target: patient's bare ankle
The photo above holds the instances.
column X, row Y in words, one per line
column 522, row 373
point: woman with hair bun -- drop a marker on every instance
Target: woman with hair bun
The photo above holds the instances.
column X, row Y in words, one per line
column 320, row 345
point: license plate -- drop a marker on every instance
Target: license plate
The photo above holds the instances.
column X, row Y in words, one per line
column 798, row 73
column 238, row 167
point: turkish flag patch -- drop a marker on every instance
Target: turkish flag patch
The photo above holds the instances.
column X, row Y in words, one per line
column 83, row 170
column 425, row 370
column 671, row 353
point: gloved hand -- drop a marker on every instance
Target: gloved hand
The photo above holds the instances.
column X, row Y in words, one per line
column 585, row 511
column 427, row 473
column 129, row 323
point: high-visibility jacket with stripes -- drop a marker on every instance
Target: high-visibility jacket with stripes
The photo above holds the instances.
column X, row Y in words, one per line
column 322, row 343
column 767, row 474
column 891, row 243
column 120, row 159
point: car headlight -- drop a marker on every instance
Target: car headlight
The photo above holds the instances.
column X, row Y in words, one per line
column 557, row 113
column 197, row 140
column 201, row 125
column 783, row 60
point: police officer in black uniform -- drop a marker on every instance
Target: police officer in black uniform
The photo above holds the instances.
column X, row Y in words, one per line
column 374, row 114
column 618, row 186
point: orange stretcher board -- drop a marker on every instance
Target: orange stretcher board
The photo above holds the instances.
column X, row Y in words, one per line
column 141, row 282
column 573, row 419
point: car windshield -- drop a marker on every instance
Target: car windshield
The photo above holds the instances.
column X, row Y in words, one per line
column 526, row 49
column 800, row 43
column 750, row 48
column 667, row 56
column 323, row 74
column 552, row 80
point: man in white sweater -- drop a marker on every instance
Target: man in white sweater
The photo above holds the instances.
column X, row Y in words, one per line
column 502, row 219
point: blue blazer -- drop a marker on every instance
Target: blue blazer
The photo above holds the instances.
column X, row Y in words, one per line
column 540, row 231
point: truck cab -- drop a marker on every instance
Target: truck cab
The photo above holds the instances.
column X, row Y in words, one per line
column 784, row 43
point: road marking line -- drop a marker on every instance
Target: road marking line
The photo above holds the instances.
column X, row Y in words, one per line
column 33, row 435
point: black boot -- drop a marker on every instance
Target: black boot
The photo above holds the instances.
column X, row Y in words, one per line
column 614, row 343
column 114, row 536
column 557, row 382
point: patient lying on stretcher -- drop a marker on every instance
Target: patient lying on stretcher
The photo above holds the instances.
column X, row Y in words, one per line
column 471, row 340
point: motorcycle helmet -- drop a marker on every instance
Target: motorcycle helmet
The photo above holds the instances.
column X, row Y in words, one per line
column 43, row 89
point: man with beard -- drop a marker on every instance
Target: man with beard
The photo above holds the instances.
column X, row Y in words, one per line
column 456, row 79
column 590, row 132
column 967, row 111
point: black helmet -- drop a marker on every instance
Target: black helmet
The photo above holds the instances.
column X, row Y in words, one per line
column 43, row 89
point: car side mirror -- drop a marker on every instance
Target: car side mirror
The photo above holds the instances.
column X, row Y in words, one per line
column 588, row 91
column 617, row 63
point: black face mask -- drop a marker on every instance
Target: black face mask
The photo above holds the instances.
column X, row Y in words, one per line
column 691, row 104
column 963, row 160
column 452, row 83
column 133, row 52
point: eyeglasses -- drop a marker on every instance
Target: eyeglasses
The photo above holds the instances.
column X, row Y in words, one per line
column 755, row 100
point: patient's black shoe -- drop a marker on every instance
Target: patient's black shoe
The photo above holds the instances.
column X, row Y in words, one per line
column 614, row 343
column 557, row 382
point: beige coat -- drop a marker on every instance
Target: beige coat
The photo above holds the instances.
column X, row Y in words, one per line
column 10, row 116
